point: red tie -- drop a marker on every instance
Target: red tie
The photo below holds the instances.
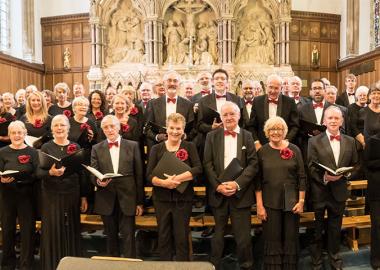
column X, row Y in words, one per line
column 205, row 92
column 316, row 105
column 172, row 100
column 336, row 137
column 248, row 102
column 110, row 144
column 297, row 98
column 230, row 133
column 351, row 94
column 272, row 101
column 145, row 103
column 222, row 96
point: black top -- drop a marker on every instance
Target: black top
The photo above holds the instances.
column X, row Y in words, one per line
column 78, row 133
column 164, row 194
column 5, row 119
column 96, row 118
column 64, row 183
column 23, row 160
column 55, row 110
column 275, row 172
column 356, row 125
column 37, row 129
column 371, row 121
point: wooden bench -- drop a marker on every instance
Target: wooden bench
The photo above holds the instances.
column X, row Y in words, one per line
column 357, row 184
column 198, row 191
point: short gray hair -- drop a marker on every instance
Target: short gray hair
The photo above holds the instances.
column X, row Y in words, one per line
column 232, row 104
column 112, row 118
column 15, row 124
column 275, row 121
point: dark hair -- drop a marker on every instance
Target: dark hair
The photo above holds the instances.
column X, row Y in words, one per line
column 220, row 70
column 102, row 98
column 319, row 80
column 374, row 87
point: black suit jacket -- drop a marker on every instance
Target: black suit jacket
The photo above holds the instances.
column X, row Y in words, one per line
column 286, row 108
column 319, row 150
column 210, row 101
column 342, row 99
column 156, row 112
column 129, row 189
column 245, row 117
column 302, row 101
column 214, row 166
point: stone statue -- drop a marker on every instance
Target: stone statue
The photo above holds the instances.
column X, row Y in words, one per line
column 67, row 59
column 315, row 56
column 173, row 38
column 190, row 9
column 212, row 35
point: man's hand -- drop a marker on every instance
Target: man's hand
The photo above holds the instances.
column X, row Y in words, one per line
column 216, row 125
column 226, row 190
column 261, row 212
column 7, row 180
column 331, row 178
column 103, row 183
column 258, row 146
column 83, row 204
column 139, row 210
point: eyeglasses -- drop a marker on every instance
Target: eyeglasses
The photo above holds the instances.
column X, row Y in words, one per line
column 276, row 130
column 317, row 88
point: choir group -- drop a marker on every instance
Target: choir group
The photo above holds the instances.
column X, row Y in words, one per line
column 270, row 147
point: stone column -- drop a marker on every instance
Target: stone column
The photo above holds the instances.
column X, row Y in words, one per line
column 352, row 40
column 153, row 41
column 95, row 75
column 28, row 46
column 226, row 39
column 277, row 44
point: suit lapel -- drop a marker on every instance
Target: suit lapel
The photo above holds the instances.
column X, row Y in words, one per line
column 279, row 105
column 313, row 116
column 121, row 153
column 343, row 143
column 239, row 144
column 266, row 107
column 213, row 101
column 221, row 149
column 326, row 145
column 107, row 156
column 162, row 111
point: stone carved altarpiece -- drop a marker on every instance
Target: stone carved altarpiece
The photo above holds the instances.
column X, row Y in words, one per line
column 135, row 40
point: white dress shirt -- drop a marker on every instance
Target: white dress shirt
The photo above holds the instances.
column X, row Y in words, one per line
column 351, row 98
column 318, row 112
column 335, row 146
column 230, row 147
column 170, row 106
column 248, row 106
column 272, row 109
column 115, row 154
column 219, row 101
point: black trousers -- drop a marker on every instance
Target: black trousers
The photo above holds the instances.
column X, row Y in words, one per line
column 241, row 228
column 114, row 223
column 173, row 220
column 375, row 233
column 17, row 205
column 333, row 229
column 280, row 233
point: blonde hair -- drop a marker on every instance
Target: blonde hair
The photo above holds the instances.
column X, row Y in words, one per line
column 28, row 108
column 124, row 98
column 275, row 122
column 80, row 100
column 176, row 118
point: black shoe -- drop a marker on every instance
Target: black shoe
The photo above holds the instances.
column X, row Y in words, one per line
column 209, row 231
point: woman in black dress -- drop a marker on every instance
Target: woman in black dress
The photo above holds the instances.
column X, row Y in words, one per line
column 63, row 106
column 49, row 97
column 17, row 198
column 98, row 107
column 61, row 200
column 5, row 119
column 173, row 209
column 281, row 174
column 371, row 118
column 9, row 103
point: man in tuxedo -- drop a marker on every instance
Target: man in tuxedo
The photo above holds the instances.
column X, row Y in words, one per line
column 330, row 96
column 233, row 198
column 160, row 108
column 249, row 93
column 285, row 86
column 329, row 192
column 159, row 88
column 348, row 96
column 204, row 82
column 109, row 94
column 269, row 105
column 146, row 91
column 188, row 88
column 118, row 200
column 295, row 88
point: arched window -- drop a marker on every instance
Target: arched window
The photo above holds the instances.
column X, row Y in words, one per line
column 4, row 25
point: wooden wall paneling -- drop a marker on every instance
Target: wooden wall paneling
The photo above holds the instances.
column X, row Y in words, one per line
column 57, row 33
column 86, row 31
column 325, row 31
column 305, row 53
column 57, row 57
column 294, row 30
column 68, row 78
column 294, row 49
column 57, row 78
column 5, row 82
column 334, row 54
column 46, row 33
column 47, row 56
column 86, row 55
column 333, row 77
column 77, row 31
column 77, row 51
column 49, row 82
column 85, row 81
column 67, row 32
column 324, row 54
column 78, row 77
column 305, row 30
column 315, row 30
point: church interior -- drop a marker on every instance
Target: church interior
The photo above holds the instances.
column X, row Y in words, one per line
column 123, row 44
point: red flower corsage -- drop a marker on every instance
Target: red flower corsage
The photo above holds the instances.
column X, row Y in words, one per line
column 286, row 153
column 23, row 159
column 125, row 128
column 37, row 123
column 134, row 111
column 71, row 148
column 99, row 115
column 182, row 154
column 67, row 113
column 2, row 120
column 14, row 118
column 85, row 126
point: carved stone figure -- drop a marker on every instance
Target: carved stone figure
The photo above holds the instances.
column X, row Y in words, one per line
column 173, row 38
column 67, row 59
column 315, row 56
column 212, row 35
column 190, row 9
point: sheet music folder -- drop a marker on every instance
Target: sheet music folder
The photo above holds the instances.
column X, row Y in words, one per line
column 169, row 164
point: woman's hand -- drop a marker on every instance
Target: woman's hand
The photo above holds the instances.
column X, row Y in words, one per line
column 139, row 210
column 298, row 208
column 56, row 172
column 170, row 182
column 7, row 180
column 83, row 204
column 90, row 135
column 261, row 212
